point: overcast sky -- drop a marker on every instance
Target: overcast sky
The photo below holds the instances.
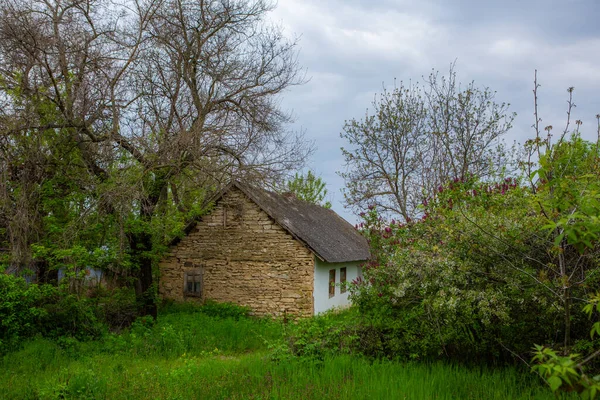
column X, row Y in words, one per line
column 352, row 48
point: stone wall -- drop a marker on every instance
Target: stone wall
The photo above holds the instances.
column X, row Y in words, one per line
column 243, row 256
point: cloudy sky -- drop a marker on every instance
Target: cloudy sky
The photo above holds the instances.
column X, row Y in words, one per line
column 351, row 49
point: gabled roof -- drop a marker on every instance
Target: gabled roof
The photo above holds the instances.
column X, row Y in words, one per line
column 326, row 234
column 329, row 236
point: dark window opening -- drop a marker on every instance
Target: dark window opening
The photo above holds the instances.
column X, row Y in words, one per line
column 331, row 283
column 343, row 280
column 193, row 283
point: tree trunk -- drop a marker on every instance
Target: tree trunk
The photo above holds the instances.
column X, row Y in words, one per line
column 567, row 315
column 142, row 245
column 566, row 295
column 145, row 292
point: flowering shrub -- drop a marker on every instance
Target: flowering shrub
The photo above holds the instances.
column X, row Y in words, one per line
column 475, row 271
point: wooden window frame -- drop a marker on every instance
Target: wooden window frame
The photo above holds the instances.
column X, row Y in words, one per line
column 196, row 278
column 343, row 272
column 331, row 283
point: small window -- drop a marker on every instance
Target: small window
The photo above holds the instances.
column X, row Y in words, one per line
column 193, row 283
column 343, row 280
column 331, row 283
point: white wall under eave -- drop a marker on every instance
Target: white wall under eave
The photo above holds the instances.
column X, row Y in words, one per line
column 322, row 302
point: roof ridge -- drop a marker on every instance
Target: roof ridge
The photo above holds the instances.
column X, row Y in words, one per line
column 323, row 231
column 338, row 232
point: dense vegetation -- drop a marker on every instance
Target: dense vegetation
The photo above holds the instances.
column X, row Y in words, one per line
column 217, row 352
column 478, row 254
column 118, row 122
column 493, row 267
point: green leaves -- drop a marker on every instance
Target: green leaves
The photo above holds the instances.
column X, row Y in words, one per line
column 568, row 193
column 568, row 371
column 554, row 382
column 486, row 263
column 309, row 188
column 556, row 370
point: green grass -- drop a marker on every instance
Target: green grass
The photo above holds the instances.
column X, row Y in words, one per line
column 191, row 355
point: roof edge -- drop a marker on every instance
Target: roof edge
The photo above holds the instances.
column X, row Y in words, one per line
column 247, row 191
column 194, row 221
column 284, row 226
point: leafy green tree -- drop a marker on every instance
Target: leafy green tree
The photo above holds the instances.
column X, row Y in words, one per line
column 565, row 185
column 477, row 273
column 120, row 118
column 465, row 289
column 309, row 188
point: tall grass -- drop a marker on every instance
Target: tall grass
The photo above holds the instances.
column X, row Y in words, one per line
column 177, row 334
column 192, row 355
column 252, row 376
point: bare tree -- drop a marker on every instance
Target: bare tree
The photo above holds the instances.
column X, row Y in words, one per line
column 152, row 96
column 418, row 137
column 388, row 147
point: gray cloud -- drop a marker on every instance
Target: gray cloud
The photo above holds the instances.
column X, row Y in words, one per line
column 351, row 48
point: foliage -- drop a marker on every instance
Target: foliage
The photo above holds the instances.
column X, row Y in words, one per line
column 27, row 310
column 493, row 266
column 19, row 310
column 565, row 183
column 186, row 354
column 117, row 121
column 313, row 339
column 118, row 307
column 375, row 335
column 479, row 270
column 568, row 372
column 308, row 188
column 416, row 138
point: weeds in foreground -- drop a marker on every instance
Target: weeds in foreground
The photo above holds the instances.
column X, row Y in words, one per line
column 188, row 354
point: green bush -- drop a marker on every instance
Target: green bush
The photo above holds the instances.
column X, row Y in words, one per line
column 20, row 310
column 322, row 335
column 70, row 315
column 331, row 333
column 27, row 310
column 376, row 335
column 479, row 277
column 118, row 307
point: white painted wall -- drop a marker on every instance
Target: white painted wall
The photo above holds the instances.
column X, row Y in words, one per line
column 322, row 302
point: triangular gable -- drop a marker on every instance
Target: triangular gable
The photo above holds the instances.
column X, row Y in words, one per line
column 322, row 231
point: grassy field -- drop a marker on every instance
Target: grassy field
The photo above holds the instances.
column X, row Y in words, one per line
column 190, row 355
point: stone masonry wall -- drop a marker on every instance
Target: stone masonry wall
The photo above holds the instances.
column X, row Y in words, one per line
column 243, row 257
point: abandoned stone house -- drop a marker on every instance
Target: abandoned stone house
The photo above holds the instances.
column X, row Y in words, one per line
column 272, row 252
